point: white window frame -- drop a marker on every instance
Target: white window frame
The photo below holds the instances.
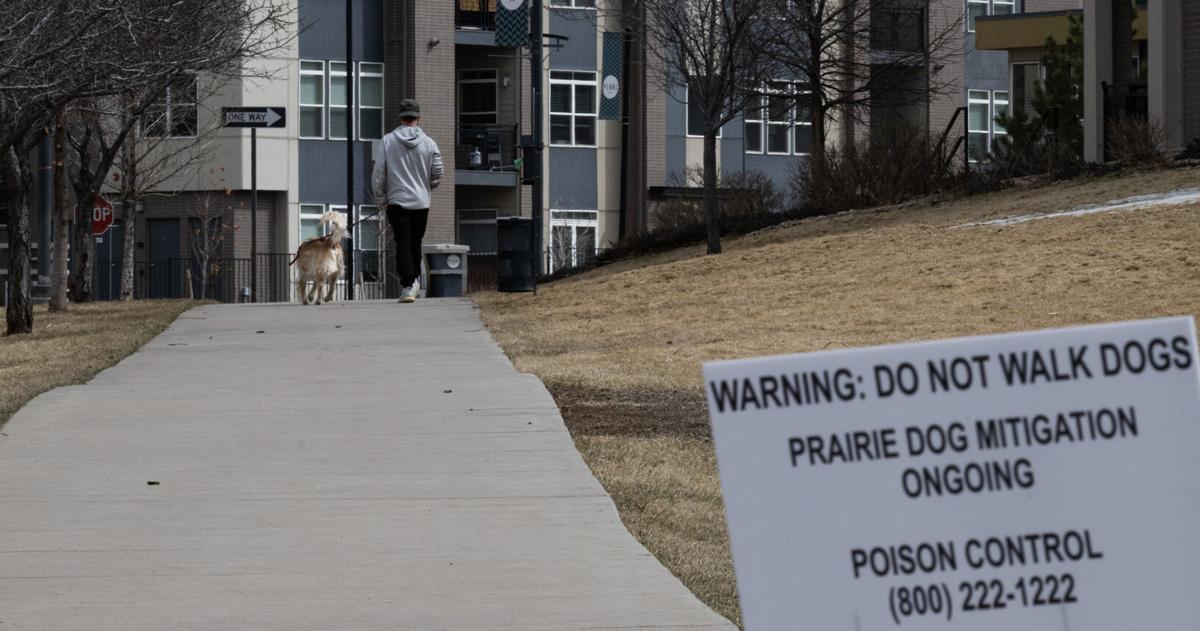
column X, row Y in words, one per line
column 307, row 213
column 358, row 102
column 368, row 214
column 324, row 96
column 586, row 5
column 687, row 115
column 757, row 120
column 968, row 23
column 997, row 129
column 330, row 107
column 769, row 122
column 794, row 90
column 594, row 114
column 974, row 98
column 557, row 220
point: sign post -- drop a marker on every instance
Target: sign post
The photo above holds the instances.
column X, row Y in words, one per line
column 254, row 118
column 1036, row 481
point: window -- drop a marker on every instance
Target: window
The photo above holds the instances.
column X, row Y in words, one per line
column 695, row 117
column 783, row 114
column 339, row 122
column 978, row 106
column 980, row 8
column 477, row 229
column 1025, row 78
column 176, row 115
column 477, row 97
column 310, row 221
column 999, row 108
column 573, row 4
column 312, row 99
column 369, row 240
column 370, row 101
column 323, row 98
column 572, row 238
column 983, row 130
column 754, row 124
column 572, row 108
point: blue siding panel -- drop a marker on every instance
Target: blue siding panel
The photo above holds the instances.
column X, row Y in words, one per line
column 573, row 178
column 579, row 51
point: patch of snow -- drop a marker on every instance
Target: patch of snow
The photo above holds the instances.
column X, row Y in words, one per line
column 1138, row 202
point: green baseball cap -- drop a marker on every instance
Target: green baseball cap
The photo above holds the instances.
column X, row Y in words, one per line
column 409, row 108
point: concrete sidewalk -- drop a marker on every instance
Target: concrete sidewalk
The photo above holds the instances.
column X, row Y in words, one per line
column 350, row 466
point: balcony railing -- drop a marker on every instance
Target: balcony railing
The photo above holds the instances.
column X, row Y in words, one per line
column 496, row 146
column 477, row 15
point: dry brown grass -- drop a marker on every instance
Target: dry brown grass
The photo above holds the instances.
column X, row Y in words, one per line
column 69, row 348
column 621, row 347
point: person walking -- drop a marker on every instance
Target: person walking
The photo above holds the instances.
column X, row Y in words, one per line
column 407, row 171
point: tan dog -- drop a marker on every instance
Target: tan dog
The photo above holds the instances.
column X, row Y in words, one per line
column 320, row 260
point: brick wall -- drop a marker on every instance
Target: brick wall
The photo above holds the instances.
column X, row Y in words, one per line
column 943, row 15
column 432, row 82
column 1191, row 70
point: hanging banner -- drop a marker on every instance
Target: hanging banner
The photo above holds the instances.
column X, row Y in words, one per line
column 512, row 23
column 610, row 85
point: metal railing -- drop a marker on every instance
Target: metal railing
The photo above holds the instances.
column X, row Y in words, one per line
column 482, row 267
column 230, row 280
column 496, row 145
column 475, row 14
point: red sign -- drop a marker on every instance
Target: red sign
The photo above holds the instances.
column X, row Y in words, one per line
column 102, row 216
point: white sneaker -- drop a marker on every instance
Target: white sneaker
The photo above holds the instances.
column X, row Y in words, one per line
column 409, row 294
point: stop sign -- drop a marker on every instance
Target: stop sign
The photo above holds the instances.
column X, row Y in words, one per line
column 102, row 215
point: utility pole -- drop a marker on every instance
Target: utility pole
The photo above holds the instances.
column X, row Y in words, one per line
column 536, row 80
column 350, row 125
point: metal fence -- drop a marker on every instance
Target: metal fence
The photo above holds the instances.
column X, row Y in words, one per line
column 482, row 267
column 230, row 280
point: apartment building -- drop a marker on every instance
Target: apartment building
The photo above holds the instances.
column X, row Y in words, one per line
column 610, row 154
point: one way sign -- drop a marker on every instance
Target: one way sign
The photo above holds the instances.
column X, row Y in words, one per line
column 254, row 116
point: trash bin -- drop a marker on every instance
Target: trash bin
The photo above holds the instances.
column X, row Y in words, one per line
column 514, row 254
column 445, row 270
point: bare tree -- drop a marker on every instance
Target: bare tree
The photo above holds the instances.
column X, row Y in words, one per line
column 713, row 48
column 58, row 52
column 851, row 54
column 208, row 225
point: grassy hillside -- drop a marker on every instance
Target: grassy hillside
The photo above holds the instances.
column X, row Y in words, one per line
column 621, row 347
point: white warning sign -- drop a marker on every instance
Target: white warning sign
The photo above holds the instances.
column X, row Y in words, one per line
column 1034, row 481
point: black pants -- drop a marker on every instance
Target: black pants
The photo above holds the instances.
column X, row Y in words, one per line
column 408, row 228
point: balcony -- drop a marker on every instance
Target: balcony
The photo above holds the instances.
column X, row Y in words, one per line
column 485, row 155
column 475, row 22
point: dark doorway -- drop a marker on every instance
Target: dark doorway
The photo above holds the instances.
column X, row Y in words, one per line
column 106, row 268
column 163, row 267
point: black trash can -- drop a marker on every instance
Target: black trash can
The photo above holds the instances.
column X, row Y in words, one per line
column 514, row 254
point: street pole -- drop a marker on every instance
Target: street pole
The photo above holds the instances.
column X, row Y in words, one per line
column 535, row 60
column 350, row 120
column 253, row 214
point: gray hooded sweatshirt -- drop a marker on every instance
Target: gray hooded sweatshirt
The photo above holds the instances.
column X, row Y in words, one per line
column 411, row 166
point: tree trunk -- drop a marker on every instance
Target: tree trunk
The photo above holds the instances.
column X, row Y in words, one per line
column 712, row 211
column 128, row 221
column 59, row 274
column 19, row 304
column 83, row 247
column 816, row 105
